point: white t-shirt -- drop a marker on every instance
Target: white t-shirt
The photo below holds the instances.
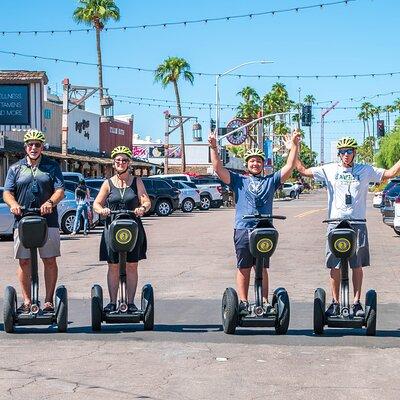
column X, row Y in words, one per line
column 343, row 181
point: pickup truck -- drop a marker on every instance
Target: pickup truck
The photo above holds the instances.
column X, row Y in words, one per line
column 210, row 193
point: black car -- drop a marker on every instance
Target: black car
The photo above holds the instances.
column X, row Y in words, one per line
column 164, row 197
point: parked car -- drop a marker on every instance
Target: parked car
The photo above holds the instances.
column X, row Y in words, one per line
column 388, row 207
column 377, row 200
column 189, row 196
column 289, row 190
column 393, row 182
column 72, row 176
column 66, row 215
column 94, row 183
column 164, row 197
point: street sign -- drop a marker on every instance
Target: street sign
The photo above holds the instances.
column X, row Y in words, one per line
column 240, row 135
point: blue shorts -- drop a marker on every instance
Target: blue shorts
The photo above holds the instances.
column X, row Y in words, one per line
column 244, row 258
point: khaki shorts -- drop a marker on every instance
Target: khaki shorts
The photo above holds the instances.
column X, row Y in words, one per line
column 50, row 249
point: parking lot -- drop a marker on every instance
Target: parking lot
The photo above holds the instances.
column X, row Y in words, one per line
column 190, row 263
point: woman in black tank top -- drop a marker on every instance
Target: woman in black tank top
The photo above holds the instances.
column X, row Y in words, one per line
column 122, row 191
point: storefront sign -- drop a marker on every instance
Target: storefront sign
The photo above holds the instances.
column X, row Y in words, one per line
column 117, row 131
column 14, row 105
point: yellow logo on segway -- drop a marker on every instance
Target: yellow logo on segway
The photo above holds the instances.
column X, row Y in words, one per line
column 264, row 245
column 123, row 236
column 342, row 245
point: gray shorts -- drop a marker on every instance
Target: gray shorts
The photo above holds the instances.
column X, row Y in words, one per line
column 50, row 249
column 244, row 258
column 360, row 258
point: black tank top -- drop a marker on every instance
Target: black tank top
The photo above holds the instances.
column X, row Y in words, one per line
column 119, row 199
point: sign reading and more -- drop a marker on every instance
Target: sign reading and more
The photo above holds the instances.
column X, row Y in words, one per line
column 14, row 105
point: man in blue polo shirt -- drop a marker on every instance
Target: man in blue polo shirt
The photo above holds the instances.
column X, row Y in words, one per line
column 36, row 181
column 253, row 194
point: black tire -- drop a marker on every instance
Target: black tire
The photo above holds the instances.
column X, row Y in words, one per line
column 282, row 312
column 163, row 208
column 187, row 205
column 319, row 311
column 147, row 305
column 97, row 307
column 230, row 311
column 370, row 312
column 396, row 231
column 205, row 202
column 62, row 308
column 292, row 194
column 10, row 309
column 67, row 222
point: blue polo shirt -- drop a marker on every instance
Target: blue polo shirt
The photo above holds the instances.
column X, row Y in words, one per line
column 253, row 194
column 34, row 186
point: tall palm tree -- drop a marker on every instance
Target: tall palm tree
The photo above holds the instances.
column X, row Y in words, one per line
column 97, row 13
column 363, row 117
column 389, row 109
column 366, row 108
column 168, row 72
column 250, row 106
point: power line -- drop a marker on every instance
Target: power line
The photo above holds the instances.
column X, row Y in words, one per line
column 180, row 23
column 355, row 99
column 141, row 69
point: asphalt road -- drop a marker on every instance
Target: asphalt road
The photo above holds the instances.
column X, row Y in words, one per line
column 190, row 263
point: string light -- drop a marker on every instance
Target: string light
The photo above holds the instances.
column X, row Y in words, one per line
column 182, row 23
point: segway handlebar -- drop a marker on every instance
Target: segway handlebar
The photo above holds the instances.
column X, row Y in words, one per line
column 116, row 212
column 27, row 210
column 263, row 216
column 349, row 220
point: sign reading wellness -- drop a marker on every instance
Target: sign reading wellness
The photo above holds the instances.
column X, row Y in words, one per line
column 14, row 105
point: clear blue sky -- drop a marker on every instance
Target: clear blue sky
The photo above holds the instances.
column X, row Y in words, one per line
column 361, row 37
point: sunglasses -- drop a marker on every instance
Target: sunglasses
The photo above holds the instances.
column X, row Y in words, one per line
column 121, row 160
column 345, row 151
column 34, row 144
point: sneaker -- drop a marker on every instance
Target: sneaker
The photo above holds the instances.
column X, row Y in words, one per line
column 268, row 309
column 24, row 309
column 243, row 307
column 333, row 310
column 110, row 307
column 48, row 307
column 132, row 308
column 358, row 310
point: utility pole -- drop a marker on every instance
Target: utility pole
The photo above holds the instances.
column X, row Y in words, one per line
column 323, row 113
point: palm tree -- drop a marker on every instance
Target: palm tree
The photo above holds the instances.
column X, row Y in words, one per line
column 97, row 13
column 363, row 117
column 366, row 108
column 389, row 109
column 250, row 106
column 168, row 72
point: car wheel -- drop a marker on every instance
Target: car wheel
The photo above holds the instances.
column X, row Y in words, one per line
column 67, row 222
column 187, row 205
column 292, row 194
column 205, row 203
column 397, row 231
column 163, row 208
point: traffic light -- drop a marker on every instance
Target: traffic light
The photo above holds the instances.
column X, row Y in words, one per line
column 224, row 156
column 306, row 115
column 380, row 128
column 212, row 125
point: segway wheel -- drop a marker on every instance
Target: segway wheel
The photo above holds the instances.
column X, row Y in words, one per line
column 97, row 307
column 282, row 306
column 230, row 311
column 370, row 312
column 147, row 304
column 319, row 311
column 10, row 309
column 62, row 308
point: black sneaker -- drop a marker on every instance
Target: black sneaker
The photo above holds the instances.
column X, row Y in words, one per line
column 243, row 307
column 358, row 310
column 110, row 307
column 333, row 310
column 24, row 309
column 132, row 308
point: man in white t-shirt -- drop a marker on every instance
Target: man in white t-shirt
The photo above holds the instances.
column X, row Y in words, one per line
column 347, row 185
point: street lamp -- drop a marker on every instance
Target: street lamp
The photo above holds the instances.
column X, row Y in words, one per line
column 217, row 113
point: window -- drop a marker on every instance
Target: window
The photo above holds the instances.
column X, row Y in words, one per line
column 1, row 197
column 95, row 184
column 147, row 184
column 70, row 185
column 160, row 184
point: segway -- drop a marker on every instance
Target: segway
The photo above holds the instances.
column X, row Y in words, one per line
column 342, row 243
column 263, row 242
column 32, row 231
column 123, row 233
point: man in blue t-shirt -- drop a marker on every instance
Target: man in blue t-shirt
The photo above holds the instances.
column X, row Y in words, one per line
column 36, row 181
column 253, row 194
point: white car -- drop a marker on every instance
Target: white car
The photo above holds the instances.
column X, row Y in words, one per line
column 6, row 219
column 377, row 200
column 189, row 197
column 289, row 190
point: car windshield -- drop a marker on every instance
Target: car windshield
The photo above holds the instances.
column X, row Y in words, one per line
column 394, row 191
column 95, row 183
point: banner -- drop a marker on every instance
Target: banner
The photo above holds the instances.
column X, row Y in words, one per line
column 144, row 151
column 140, row 152
column 268, row 153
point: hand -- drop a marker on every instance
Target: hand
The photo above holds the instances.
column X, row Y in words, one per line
column 212, row 140
column 105, row 212
column 139, row 212
column 293, row 138
column 46, row 208
column 16, row 209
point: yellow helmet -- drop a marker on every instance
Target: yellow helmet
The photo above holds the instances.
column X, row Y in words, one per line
column 121, row 150
column 347, row 143
column 33, row 134
column 253, row 153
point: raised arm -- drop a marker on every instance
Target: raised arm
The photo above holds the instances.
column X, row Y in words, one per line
column 294, row 145
column 392, row 172
column 219, row 169
column 303, row 170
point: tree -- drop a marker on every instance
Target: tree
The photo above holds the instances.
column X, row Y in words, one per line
column 97, row 13
column 366, row 108
column 365, row 152
column 389, row 149
column 364, row 118
column 170, row 71
column 250, row 106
